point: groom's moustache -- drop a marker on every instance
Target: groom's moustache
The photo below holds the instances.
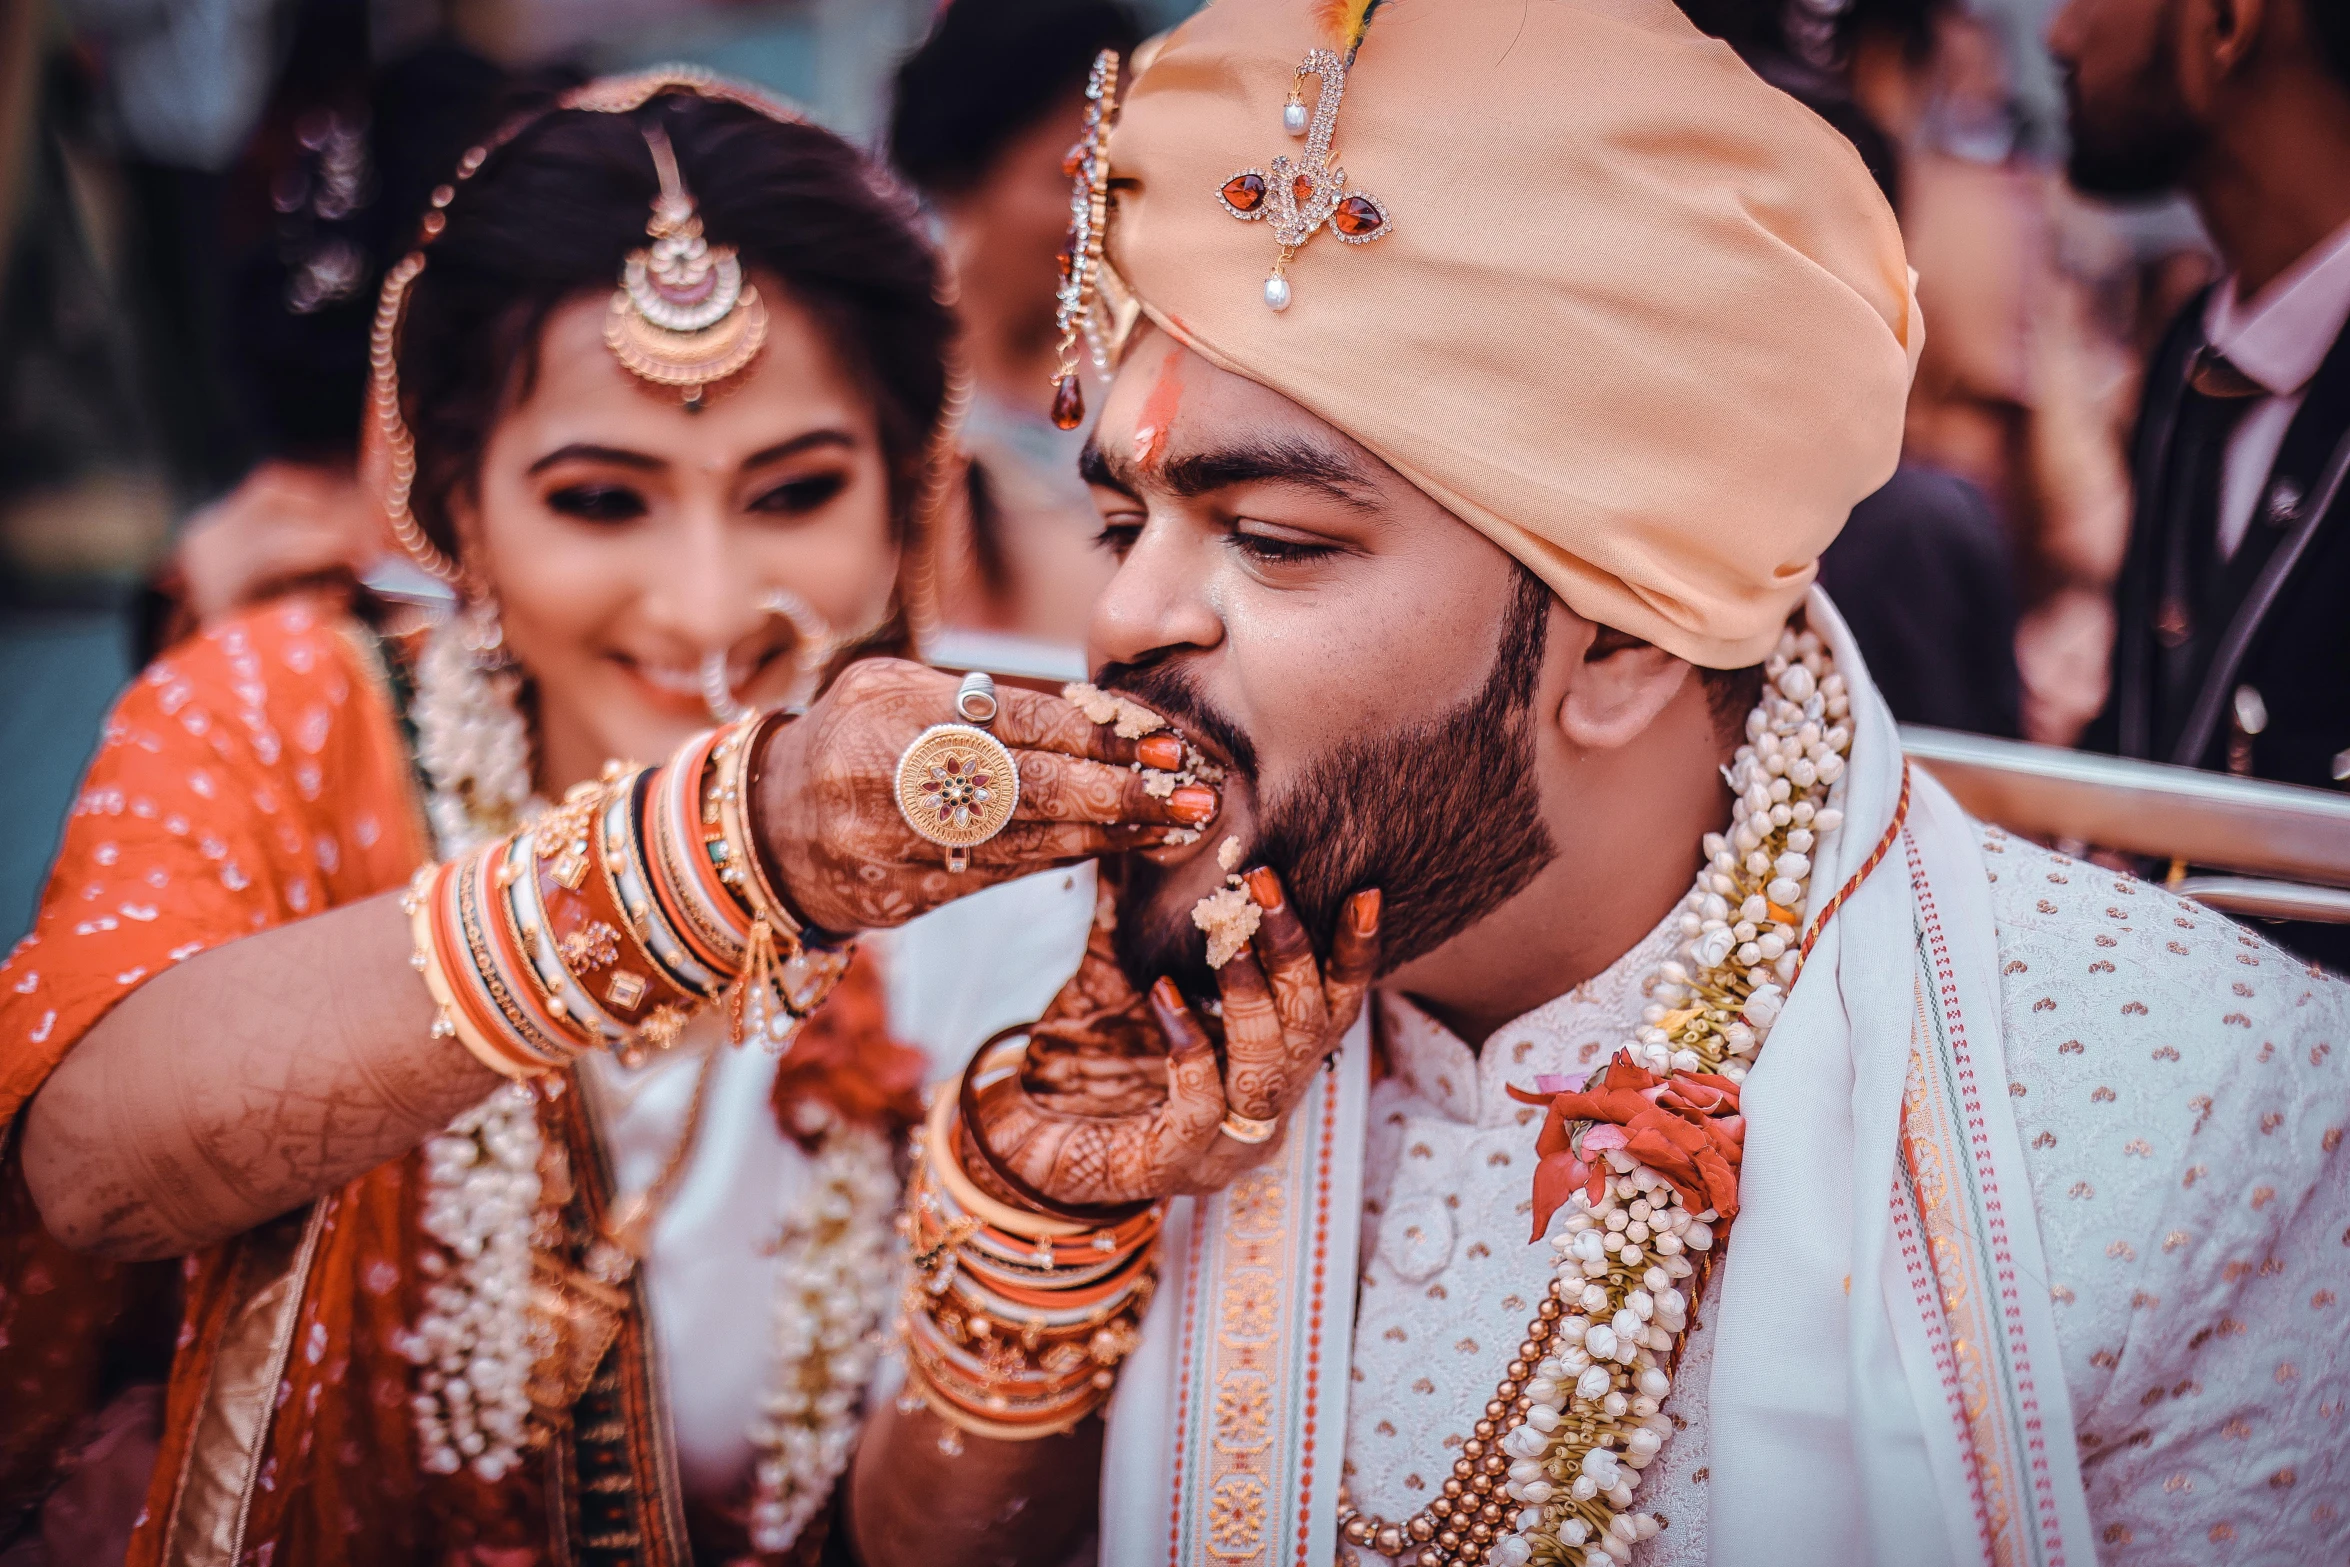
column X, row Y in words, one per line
column 1167, row 690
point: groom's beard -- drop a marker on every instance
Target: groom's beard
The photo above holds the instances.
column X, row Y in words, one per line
column 1442, row 816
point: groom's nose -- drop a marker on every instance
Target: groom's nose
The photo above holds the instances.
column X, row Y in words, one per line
column 1159, row 602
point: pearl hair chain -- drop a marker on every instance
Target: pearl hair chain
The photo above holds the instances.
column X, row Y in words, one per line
column 1550, row 1475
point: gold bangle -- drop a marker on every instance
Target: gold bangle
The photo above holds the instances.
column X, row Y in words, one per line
column 972, row 1425
column 938, row 1145
column 744, row 871
column 1247, row 1128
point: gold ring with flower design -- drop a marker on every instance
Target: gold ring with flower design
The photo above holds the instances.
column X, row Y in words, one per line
column 957, row 787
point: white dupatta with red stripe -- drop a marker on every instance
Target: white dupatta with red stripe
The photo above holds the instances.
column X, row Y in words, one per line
column 1885, row 1382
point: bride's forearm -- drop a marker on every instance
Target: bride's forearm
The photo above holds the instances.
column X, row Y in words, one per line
column 242, row 1083
column 991, row 1504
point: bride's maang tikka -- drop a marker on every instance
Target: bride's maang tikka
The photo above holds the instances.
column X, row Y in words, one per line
column 684, row 356
column 682, row 317
column 1298, row 196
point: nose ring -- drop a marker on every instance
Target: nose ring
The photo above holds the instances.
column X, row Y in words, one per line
column 813, row 649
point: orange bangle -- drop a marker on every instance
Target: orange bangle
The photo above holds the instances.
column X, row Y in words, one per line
column 477, row 994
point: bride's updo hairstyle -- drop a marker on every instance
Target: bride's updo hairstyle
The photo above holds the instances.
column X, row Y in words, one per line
column 550, row 215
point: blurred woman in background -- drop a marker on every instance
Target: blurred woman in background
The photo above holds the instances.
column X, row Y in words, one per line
column 428, row 1316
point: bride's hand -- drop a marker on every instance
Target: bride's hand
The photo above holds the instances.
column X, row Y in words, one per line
column 827, row 808
column 1125, row 1100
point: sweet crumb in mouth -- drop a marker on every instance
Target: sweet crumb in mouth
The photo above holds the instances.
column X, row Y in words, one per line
column 1131, row 720
column 1230, row 917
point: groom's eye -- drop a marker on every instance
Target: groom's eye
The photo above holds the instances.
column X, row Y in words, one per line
column 1264, row 549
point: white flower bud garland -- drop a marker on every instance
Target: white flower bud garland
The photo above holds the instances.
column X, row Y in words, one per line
column 835, row 1269
column 474, row 1343
column 1594, row 1417
column 477, row 1338
column 1572, row 1438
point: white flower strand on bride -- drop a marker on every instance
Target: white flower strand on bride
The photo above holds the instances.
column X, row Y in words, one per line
column 836, row 1265
column 476, row 1339
column 1594, row 1417
column 473, row 1343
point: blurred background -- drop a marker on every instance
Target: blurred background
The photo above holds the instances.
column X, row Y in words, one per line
column 198, row 197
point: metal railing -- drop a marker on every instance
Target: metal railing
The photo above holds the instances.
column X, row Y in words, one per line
column 2285, row 849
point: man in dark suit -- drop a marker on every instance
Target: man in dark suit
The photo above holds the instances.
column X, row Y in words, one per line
column 2233, row 647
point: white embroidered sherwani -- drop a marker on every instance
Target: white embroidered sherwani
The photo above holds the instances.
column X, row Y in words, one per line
column 2165, row 1065
column 2101, row 1316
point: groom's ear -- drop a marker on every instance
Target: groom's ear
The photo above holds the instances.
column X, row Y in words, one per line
column 1617, row 689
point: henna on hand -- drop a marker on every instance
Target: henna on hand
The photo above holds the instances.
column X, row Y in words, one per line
column 1114, row 1102
column 827, row 813
column 1103, row 1161
column 1282, row 1017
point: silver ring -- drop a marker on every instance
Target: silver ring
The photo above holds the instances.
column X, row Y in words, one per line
column 975, row 699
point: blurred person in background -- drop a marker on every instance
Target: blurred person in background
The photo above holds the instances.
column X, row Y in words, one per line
column 984, row 113
column 1942, row 649
column 415, row 1327
column 2020, row 391
column 184, row 82
column 337, row 173
column 2234, row 646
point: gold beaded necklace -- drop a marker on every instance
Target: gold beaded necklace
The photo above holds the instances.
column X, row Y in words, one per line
column 1798, row 737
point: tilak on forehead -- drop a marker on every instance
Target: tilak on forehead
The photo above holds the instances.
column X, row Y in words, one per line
column 1598, row 290
column 1158, row 414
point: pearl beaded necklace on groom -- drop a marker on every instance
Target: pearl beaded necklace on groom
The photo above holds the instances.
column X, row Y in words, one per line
column 1549, row 1475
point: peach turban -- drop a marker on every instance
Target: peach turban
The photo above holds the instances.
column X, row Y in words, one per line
column 1641, row 319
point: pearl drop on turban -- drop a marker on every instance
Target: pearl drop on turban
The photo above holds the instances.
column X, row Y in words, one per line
column 1641, row 319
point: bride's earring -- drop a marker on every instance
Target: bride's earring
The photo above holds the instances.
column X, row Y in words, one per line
column 485, row 635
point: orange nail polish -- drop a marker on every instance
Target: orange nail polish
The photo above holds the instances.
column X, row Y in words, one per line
column 1265, row 887
column 1162, row 751
column 1363, row 910
column 1193, row 802
column 1165, row 996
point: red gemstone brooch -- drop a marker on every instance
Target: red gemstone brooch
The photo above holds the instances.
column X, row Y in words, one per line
column 1298, row 196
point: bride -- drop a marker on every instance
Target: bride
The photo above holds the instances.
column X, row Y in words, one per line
column 523, row 1263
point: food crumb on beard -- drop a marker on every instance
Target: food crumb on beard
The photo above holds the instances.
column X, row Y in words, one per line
column 1230, row 917
column 1131, row 720
column 1228, row 854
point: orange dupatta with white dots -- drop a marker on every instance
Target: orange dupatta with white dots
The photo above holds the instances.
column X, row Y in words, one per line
column 252, row 776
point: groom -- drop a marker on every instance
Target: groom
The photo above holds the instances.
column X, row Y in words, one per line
column 1902, row 1192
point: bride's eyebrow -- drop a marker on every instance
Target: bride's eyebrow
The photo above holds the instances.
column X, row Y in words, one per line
column 811, row 441
column 584, row 451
